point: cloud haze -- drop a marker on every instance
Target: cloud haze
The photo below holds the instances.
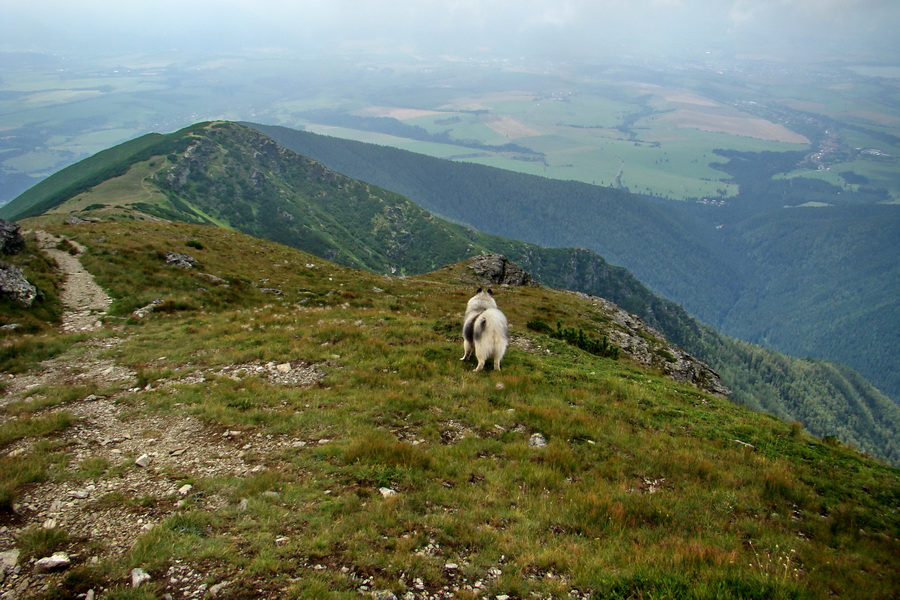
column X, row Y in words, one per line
column 567, row 28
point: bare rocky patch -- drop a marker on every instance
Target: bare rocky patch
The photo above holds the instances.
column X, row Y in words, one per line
column 287, row 374
column 81, row 365
column 152, row 466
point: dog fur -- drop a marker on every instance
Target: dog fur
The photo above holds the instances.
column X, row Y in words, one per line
column 485, row 330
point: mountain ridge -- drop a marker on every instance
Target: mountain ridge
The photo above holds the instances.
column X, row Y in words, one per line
column 230, row 175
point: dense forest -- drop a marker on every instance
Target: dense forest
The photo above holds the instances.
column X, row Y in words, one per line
column 821, row 282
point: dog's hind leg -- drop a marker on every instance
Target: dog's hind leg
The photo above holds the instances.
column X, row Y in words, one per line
column 468, row 335
column 480, row 366
column 467, row 349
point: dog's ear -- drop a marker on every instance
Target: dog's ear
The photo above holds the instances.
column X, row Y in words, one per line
column 490, row 292
column 478, row 291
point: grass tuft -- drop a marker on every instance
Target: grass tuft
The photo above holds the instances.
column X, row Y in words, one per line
column 38, row 542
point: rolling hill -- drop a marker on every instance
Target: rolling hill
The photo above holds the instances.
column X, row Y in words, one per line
column 226, row 175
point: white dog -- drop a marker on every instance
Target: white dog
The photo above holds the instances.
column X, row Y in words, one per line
column 485, row 330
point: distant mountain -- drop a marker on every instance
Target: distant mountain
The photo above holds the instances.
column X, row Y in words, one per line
column 227, row 175
column 811, row 281
column 85, row 174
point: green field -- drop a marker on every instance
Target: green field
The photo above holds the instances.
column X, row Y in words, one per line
column 652, row 130
column 623, row 135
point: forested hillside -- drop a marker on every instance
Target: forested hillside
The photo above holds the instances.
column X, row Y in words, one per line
column 624, row 228
column 818, row 281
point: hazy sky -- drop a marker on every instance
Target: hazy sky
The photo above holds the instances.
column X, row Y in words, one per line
column 565, row 27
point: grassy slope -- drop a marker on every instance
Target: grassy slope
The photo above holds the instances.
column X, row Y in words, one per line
column 293, row 200
column 751, row 269
column 645, row 489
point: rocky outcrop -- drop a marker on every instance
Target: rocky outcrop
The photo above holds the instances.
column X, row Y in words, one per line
column 176, row 259
column 496, row 269
column 11, row 240
column 649, row 347
column 13, row 285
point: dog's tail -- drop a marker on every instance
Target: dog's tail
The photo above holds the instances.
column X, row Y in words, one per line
column 491, row 322
column 479, row 327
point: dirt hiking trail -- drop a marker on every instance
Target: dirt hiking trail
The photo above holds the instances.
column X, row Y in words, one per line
column 138, row 462
column 82, row 298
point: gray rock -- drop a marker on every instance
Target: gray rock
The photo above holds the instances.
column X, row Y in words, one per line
column 648, row 346
column 498, row 270
column 185, row 261
column 138, row 577
column 11, row 240
column 9, row 560
column 57, row 562
column 537, row 441
column 143, row 460
column 144, row 311
column 217, row 588
column 213, row 278
column 13, row 285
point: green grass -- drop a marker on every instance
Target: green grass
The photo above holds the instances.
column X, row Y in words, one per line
column 19, row 355
column 26, row 469
column 26, row 427
column 642, row 490
column 41, row 398
column 38, row 542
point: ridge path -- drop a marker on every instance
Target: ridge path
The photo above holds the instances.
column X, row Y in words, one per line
column 82, row 298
